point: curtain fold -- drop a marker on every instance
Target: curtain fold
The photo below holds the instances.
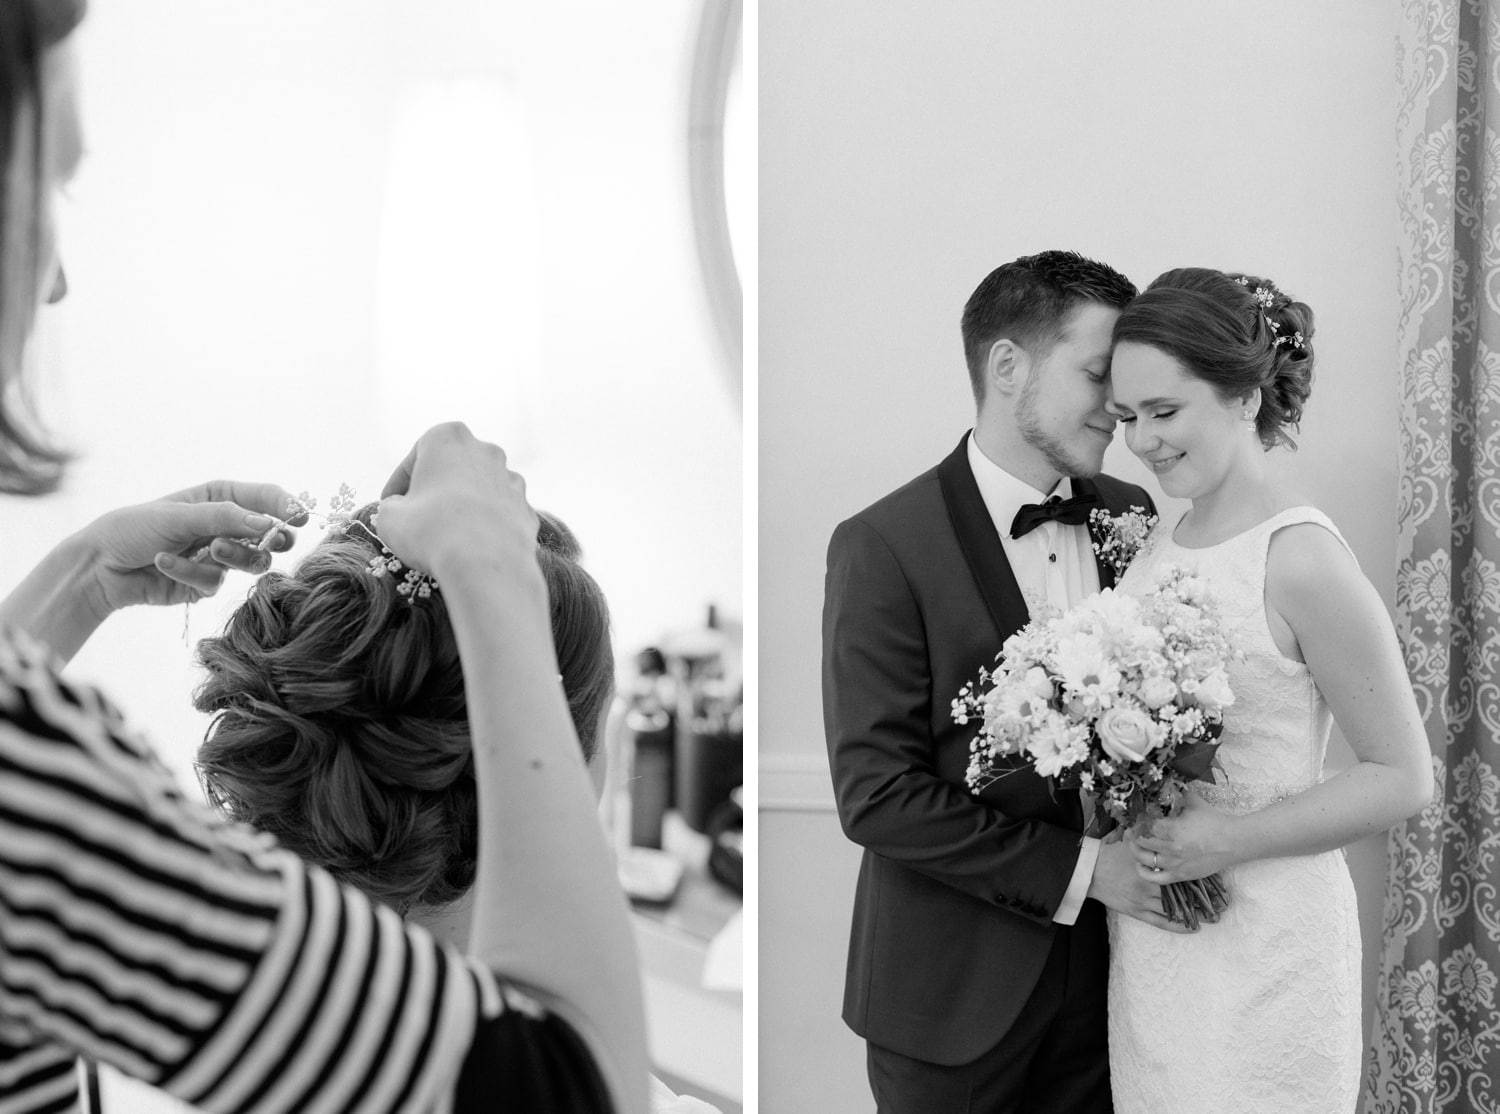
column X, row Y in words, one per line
column 1436, row 1041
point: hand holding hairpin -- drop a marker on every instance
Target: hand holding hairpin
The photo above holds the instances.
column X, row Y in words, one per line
column 341, row 519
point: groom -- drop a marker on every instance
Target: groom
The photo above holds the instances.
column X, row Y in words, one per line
column 978, row 956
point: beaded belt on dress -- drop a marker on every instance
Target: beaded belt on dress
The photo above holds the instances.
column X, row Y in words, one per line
column 1240, row 796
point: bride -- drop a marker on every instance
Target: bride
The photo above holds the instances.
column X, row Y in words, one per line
column 1261, row 1010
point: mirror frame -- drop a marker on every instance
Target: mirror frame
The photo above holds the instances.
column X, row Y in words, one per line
column 714, row 57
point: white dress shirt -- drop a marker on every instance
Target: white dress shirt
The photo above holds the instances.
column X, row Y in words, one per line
column 1053, row 564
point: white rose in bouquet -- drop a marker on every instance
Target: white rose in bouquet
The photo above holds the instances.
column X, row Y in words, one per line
column 1214, row 692
column 1038, row 685
column 1201, row 663
column 1127, row 734
column 1157, row 691
column 1146, row 642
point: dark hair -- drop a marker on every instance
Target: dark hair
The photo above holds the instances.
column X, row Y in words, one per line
column 1213, row 324
column 29, row 464
column 340, row 721
column 1029, row 300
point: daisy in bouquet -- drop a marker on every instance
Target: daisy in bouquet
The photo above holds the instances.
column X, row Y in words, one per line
column 1122, row 696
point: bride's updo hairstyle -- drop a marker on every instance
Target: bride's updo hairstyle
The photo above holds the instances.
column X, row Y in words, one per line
column 340, row 723
column 1236, row 332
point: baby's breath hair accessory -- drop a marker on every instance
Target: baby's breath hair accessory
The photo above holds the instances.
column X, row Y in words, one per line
column 341, row 519
column 1265, row 297
column 415, row 585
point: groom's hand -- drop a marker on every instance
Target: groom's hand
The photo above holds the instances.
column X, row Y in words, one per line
column 1119, row 885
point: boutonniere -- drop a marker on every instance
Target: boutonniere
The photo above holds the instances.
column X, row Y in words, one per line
column 1118, row 538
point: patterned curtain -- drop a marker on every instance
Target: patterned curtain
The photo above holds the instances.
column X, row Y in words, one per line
column 1437, row 1031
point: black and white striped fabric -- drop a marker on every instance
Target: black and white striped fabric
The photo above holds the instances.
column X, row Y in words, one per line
column 139, row 930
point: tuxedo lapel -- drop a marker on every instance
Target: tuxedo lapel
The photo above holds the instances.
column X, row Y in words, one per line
column 993, row 576
column 1106, row 571
column 980, row 543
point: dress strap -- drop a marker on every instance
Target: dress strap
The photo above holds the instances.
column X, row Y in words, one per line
column 1294, row 516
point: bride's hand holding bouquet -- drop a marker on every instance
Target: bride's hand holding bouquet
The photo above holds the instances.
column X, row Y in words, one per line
column 1196, row 841
column 1122, row 697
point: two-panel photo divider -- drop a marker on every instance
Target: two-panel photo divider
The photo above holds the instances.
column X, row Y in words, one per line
column 782, row 556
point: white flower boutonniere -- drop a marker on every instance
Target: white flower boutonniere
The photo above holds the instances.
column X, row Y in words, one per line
column 1118, row 538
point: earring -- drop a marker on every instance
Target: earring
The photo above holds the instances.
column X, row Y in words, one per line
column 1249, row 418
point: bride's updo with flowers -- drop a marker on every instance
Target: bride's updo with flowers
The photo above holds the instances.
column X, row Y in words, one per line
column 340, row 721
column 1235, row 331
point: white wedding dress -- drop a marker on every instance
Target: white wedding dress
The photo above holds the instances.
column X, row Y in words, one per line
column 1261, row 1011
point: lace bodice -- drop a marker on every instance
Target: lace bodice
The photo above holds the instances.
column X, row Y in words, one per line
column 1261, row 1010
column 1276, row 732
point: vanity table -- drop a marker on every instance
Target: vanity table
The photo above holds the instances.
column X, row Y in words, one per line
column 695, row 1031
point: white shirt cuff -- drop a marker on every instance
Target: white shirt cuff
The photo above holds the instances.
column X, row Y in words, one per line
column 1078, row 888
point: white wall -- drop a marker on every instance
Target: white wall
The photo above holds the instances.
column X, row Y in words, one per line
column 905, row 151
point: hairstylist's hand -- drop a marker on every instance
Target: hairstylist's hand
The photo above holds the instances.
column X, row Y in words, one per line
column 146, row 554
column 178, row 548
column 453, row 499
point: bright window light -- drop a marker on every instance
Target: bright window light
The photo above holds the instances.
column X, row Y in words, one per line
column 459, row 302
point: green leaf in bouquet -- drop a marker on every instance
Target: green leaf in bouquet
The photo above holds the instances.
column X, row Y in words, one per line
column 1100, row 823
column 1195, row 761
column 1171, row 795
column 1135, row 808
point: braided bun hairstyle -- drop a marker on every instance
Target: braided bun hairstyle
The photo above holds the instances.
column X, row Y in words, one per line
column 1236, row 332
column 340, row 722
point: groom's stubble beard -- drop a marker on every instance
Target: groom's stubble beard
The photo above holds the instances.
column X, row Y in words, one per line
column 1055, row 451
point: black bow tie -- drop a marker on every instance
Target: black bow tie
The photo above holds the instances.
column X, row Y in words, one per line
column 1070, row 512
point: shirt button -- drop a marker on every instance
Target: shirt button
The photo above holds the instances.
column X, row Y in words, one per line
column 1052, row 557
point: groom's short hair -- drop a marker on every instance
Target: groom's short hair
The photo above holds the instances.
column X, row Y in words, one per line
column 1029, row 301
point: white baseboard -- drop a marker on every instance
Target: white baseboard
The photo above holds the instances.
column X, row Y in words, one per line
column 795, row 783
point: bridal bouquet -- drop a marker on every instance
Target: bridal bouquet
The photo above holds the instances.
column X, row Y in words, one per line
column 1121, row 696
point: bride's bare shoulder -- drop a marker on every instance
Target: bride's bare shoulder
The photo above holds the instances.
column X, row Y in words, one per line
column 1308, row 557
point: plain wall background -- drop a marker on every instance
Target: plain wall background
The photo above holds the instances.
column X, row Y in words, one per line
column 905, row 151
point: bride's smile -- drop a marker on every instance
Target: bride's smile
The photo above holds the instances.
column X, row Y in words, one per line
column 1176, row 423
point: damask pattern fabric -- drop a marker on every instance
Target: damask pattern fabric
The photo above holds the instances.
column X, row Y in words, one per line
column 1436, row 1042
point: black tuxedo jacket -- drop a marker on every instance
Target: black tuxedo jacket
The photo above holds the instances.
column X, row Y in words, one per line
column 956, row 894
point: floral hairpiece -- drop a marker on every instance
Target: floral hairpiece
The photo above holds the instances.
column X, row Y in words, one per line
column 1265, row 297
column 340, row 519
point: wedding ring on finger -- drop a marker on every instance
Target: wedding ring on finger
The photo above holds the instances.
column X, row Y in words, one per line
column 1156, row 862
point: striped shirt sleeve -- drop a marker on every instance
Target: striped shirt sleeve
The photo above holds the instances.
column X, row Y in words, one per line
column 137, row 929
column 36, row 1078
